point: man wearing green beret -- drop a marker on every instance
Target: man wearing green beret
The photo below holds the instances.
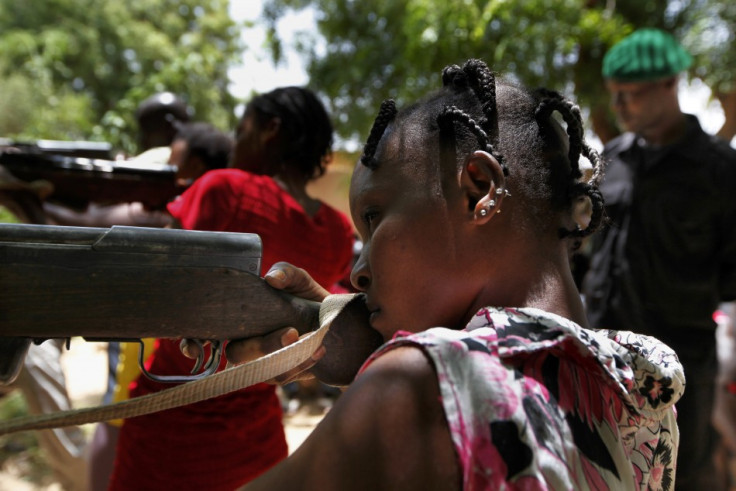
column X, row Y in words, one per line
column 668, row 256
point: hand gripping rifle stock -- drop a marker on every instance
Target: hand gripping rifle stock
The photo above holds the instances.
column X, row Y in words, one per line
column 129, row 283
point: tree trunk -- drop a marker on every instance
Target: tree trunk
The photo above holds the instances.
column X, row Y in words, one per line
column 728, row 103
column 603, row 124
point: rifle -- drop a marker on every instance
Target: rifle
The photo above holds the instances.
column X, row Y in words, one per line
column 78, row 179
column 129, row 283
column 74, row 148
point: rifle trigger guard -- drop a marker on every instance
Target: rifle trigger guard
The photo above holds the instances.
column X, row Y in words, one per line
column 214, row 360
column 209, row 368
column 200, row 356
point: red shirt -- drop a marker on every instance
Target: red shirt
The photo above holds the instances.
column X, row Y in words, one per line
column 225, row 442
column 231, row 200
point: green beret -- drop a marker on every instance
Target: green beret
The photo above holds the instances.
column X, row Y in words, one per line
column 646, row 54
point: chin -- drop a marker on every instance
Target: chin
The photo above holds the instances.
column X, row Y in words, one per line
column 626, row 124
column 380, row 324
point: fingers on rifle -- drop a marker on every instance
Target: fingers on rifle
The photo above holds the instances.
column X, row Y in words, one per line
column 245, row 350
column 289, row 336
column 296, row 281
column 276, row 276
column 301, row 372
column 191, row 348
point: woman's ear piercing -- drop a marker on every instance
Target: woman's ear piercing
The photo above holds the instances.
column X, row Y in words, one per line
column 487, row 209
column 501, row 191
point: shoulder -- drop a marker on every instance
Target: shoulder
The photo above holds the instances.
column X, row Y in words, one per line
column 722, row 150
column 215, row 186
column 388, row 430
column 209, row 203
column 717, row 160
column 218, row 178
column 153, row 156
column 718, row 151
column 226, row 182
column 405, row 367
column 406, row 377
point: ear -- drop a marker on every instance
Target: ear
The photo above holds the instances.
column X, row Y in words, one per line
column 484, row 185
column 582, row 211
column 270, row 130
column 198, row 166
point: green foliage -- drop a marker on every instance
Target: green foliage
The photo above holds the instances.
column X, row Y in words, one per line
column 396, row 48
column 6, row 216
column 79, row 68
column 22, row 449
column 710, row 37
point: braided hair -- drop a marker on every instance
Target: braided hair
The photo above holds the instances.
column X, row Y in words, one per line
column 305, row 130
column 473, row 111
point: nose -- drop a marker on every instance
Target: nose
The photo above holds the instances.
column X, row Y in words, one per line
column 360, row 276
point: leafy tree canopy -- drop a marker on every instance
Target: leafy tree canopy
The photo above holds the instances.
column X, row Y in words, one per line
column 77, row 69
column 374, row 50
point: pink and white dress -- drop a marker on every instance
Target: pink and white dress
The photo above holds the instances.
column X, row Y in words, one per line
column 534, row 401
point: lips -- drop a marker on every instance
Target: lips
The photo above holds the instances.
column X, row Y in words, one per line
column 373, row 311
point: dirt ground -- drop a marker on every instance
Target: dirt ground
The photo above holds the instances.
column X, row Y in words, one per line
column 85, row 365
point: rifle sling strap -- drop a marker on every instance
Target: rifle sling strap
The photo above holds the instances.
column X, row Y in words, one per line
column 229, row 380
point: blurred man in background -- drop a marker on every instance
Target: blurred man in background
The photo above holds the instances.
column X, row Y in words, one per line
column 668, row 256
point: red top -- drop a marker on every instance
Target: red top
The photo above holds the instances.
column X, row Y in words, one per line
column 225, row 442
column 231, row 200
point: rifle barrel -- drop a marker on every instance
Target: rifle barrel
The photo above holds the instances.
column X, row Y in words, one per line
column 77, row 180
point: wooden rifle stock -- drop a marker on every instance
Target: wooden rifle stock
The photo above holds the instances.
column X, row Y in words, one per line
column 129, row 283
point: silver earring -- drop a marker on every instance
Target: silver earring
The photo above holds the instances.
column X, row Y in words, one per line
column 503, row 191
column 491, row 204
column 483, row 212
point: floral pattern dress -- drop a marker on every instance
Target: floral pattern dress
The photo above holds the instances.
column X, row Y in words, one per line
column 534, row 401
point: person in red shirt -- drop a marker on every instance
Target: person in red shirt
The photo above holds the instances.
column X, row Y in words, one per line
column 283, row 141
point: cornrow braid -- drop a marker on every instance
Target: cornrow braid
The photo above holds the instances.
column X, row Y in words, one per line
column 474, row 110
column 451, row 114
column 453, row 75
column 554, row 101
column 476, row 75
column 386, row 114
column 591, row 190
column 483, row 83
column 597, row 162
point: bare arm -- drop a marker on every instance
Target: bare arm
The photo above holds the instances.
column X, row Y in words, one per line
column 133, row 214
column 387, row 431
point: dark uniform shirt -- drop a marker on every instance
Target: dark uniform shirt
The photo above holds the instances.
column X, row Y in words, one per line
column 668, row 255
